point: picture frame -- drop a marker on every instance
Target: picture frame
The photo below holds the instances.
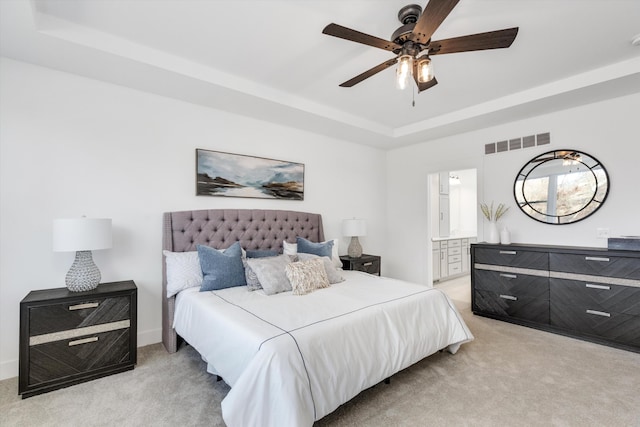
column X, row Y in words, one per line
column 225, row 174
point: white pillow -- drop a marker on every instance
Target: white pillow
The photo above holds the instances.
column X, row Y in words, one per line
column 183, row 271
column 289, row 248
column 292, row 249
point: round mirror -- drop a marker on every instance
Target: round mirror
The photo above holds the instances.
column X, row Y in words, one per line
column 561, row 187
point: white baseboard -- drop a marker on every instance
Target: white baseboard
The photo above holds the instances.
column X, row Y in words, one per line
column 151, row 336
column 9, row 368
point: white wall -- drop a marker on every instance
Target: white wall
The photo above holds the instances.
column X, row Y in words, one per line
column 71, row 146
column 607, row 130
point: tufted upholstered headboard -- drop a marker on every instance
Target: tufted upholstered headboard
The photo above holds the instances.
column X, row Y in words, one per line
column 219, row 228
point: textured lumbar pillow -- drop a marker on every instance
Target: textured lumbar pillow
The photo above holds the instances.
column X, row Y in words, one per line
column 333, row 273
column 307, row 276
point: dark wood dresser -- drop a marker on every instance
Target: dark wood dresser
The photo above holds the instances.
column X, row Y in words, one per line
column 367, row 263
column 71, row 337
column 587, row 293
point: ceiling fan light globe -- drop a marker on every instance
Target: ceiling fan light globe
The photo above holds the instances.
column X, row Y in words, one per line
column 425, row 70
column 404, row 71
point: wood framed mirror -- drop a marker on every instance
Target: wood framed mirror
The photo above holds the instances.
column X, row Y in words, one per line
column 561, row 187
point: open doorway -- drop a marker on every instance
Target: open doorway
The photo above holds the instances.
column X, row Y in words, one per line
column 453, row 205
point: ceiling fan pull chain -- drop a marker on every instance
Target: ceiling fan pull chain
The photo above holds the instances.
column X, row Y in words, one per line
column 413, row 94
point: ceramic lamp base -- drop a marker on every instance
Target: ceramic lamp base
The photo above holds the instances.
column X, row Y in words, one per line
column 354, row 250
column 83, row 274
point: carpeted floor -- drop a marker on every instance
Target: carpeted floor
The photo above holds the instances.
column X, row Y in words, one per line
column 508, row 376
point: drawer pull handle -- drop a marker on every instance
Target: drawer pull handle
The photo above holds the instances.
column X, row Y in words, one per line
column 596, row 258
column 598, row 313
column 83, row 306
column 508, row 252
column 592, row 286
column 509, row 297
column 509, row 276
column 83, row 341
column 367, row 264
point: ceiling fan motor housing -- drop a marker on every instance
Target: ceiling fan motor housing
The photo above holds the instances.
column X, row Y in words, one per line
column 408, row 16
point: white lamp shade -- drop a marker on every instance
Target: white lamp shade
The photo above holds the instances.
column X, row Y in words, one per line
column 354, row 227
column 81, row 234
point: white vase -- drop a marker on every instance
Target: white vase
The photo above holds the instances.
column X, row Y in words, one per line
column 505, row 237
column 493, row 235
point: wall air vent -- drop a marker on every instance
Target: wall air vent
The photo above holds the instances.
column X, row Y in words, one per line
column 518, row 143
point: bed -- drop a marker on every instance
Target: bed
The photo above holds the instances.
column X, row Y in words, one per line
column 292, row 359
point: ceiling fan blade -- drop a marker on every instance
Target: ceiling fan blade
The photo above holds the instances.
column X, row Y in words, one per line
column 358, row 37
column 424, row 86
column 375, row 70
column 490, row 40
column 434, row 13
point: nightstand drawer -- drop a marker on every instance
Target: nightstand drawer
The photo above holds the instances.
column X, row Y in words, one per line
column 367, row 263
column 371, row 267
column 67, row 359
column 78, row 314
column 507, row 305
column 598, row 296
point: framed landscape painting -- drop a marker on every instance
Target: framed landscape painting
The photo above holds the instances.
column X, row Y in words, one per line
column 236, row 175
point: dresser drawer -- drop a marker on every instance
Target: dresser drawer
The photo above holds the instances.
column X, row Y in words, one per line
column 518, row 285
column 455, row 258
column 532, row 309
column 596, row 296
column 512, row 258
column 454, row 243
column 454, row 251
column 72, row 358
column 454, row 268
column 60, row 317
column 617, row 327
column 597, row 265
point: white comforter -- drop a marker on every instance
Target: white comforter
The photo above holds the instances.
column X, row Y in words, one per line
column 291, row 360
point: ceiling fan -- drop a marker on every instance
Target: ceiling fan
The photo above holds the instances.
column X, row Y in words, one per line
column 413, row 38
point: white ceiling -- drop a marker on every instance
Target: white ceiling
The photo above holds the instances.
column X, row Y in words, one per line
column 268, row 59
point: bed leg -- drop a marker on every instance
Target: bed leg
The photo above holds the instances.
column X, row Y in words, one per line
column 218, row 378
column 387, row 380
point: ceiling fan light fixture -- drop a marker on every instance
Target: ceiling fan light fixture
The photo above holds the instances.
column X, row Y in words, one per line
column 404, row 72
column 425, row 69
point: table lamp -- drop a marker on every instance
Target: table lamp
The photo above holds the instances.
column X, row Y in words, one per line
column 354, row 228
column 82, row 235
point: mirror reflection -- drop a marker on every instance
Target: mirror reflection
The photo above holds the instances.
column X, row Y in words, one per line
column 561, row 187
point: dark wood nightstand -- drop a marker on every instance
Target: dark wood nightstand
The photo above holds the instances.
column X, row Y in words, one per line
column 367, row 263
column 71, row 337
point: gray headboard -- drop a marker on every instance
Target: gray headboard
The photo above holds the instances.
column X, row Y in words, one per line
column 220, row 228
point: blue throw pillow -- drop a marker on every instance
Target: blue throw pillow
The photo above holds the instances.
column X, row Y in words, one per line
column 221, row 270
column 261, row 253
column 320, row 249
